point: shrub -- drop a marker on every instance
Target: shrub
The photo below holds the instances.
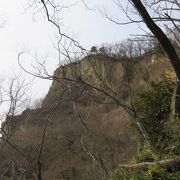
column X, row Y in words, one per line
column 146, row 155
column 153, row 173
column 173, row 130
column 156, row 172
column 153, row 106
column 126, row 174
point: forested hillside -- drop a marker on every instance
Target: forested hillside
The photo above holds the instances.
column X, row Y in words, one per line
column 86, row 126
column 112, row 111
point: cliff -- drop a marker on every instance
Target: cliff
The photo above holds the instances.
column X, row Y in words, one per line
column 84, row 130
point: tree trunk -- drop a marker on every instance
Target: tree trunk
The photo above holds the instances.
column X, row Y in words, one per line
column 175, row 102
column 177, row 99
column 166, row 45
column 159, row 34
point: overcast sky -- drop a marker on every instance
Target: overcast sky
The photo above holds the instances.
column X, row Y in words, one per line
column 23, row 31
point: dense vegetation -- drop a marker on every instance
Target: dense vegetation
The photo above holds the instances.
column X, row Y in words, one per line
column 154, row 105
column 153, row 173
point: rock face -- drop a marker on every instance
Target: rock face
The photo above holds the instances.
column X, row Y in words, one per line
column 97, row 71
column 83, row 132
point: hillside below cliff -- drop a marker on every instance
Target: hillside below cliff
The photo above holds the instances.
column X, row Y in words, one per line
column 83, row 129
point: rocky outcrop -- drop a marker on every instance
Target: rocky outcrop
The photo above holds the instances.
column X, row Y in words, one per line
column 86, row 133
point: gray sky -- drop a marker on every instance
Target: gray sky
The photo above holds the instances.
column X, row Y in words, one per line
column 23, row 31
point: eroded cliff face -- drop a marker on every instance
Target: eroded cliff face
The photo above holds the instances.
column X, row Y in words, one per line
column 86, row 132
column 95, row 71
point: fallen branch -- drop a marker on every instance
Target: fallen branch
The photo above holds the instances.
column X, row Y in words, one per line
column 169, row 164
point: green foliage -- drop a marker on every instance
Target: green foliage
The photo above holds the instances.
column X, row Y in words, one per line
column 153, row 173
column 173, row 130
column 93, row 49
column 126, row 174
column 156, row 172
column 155, row 102
column 146, row 155
column 153, row 106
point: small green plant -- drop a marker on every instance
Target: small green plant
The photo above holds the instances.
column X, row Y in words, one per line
column 126, row 174
column 146, row 155
column 173, row 130
column 154, row 172
column 157, row 172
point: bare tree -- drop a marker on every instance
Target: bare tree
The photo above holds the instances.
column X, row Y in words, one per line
column 157, row 15
column 14, row 99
